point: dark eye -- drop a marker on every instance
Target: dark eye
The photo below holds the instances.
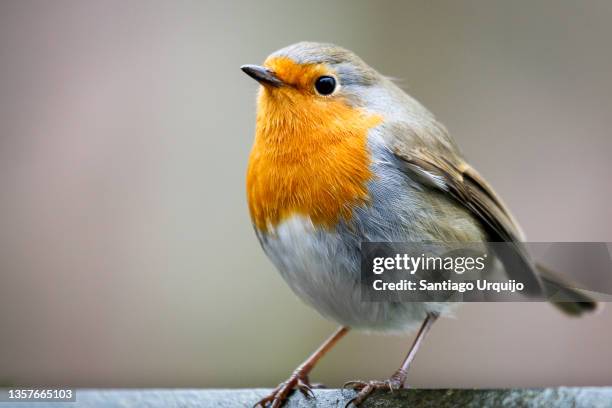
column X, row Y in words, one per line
column 325, row 85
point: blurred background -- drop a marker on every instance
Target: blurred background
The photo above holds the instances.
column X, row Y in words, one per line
column 127, row 257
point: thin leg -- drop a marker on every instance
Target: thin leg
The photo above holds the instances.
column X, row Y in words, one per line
column 401, row 374
column 398, row 379
column 299, row 378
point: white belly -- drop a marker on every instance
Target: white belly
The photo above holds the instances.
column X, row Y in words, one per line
column 323, row 268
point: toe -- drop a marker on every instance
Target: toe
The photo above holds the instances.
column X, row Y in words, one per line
column 363, row 394
column 262, row 402
column 367, row 388
column 305, row 389
column 355, row 385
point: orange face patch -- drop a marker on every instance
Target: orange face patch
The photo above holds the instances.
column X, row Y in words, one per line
column 299, row 77
column 310, row 155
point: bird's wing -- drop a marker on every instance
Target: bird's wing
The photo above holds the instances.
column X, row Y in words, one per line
column 466, row 186
column 460, row 181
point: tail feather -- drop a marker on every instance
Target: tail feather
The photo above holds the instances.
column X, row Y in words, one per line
column 574, row 303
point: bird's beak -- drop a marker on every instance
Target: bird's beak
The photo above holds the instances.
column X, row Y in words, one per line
column 262, row 75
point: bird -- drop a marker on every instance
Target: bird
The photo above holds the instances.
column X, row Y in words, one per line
column 341, row 156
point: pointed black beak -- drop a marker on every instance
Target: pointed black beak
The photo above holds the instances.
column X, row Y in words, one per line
column 262, row 75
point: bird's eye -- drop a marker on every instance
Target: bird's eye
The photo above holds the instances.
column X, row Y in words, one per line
column 325, row 85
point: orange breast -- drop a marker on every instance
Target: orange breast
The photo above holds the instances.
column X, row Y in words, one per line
column 310, row 157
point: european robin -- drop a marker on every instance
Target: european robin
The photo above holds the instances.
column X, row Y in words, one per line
column 341, row 156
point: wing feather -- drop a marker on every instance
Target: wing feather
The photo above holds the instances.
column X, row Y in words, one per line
column 471, row 191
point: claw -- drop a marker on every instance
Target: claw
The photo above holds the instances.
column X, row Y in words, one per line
column 367, row 388
column 278, row 396
column 305, row 389
column 261, row 403
column 307, row 393
column 350, row 384
column 350, row 402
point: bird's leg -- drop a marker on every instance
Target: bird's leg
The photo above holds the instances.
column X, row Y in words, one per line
column 299, row 378
column 398, row 379
column 400, row 375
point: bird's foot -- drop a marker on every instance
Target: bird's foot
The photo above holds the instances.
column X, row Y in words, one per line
column 366, row 388
column 279, row 395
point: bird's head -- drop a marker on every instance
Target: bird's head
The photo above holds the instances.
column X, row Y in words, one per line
column 311, row 133
column 312, row 77
column 317, row 106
